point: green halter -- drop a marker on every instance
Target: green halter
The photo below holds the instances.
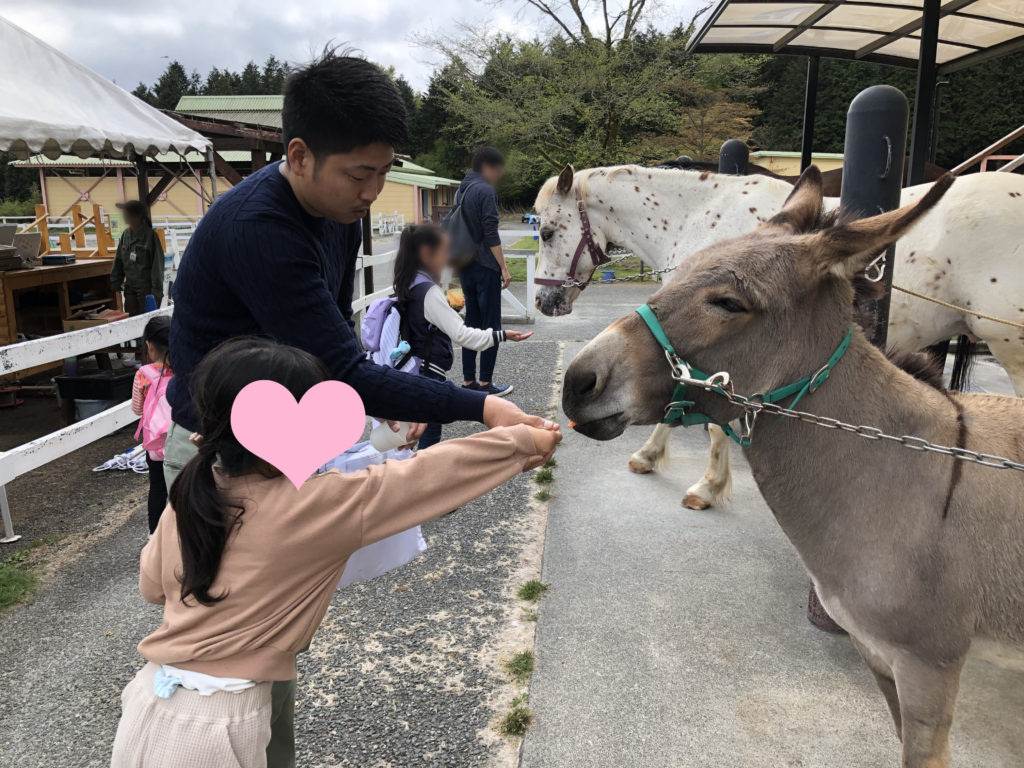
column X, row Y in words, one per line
column 676, row 411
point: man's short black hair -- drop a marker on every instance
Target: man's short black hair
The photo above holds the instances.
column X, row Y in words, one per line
column 338, row 102
column 488, row 156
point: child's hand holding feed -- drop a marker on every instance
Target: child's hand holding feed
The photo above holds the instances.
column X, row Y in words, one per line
column 545, row 441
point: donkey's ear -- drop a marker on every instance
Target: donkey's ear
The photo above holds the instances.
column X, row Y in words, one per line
column 802, row 209
column 565, row 180
column 851, row 246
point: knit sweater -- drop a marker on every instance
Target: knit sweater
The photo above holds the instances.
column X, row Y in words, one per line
column 259, row 264
column 283, row 561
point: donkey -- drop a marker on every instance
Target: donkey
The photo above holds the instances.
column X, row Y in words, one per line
column 917, row 554
column 969, row 255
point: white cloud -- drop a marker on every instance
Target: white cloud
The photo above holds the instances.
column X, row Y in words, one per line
column 133, row 42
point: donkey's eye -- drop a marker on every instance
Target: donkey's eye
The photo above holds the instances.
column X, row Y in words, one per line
column 547, row 234
column 727, row 304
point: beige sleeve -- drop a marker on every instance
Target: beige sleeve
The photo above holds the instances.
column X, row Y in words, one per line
column 397, row 495
column 150, row 576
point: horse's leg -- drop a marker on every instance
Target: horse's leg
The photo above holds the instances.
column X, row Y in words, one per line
column 1011, row 356
column 927, row 694
column 716, row 484
column 654, row 451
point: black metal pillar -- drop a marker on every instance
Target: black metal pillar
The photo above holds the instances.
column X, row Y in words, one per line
column 920, row 141
column 733, row 158
column 876, row 131
column 810, row 107
column 876, row 140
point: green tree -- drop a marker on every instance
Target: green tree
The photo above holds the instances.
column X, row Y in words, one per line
column 174, row 83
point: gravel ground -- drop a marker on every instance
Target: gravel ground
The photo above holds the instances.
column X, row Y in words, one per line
column 404, row 671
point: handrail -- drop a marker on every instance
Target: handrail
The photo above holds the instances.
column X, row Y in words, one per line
column 1013, row 165
column 974, row 160
column 51, row 349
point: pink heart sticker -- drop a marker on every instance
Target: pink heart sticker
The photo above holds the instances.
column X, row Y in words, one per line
column 297, row 437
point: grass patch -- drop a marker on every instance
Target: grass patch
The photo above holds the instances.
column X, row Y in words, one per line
column 533, row 590
column 542, row 495
column 16, row 580
column 516, row 721
column 543, row 477
column 551, row 463
column 530, row 614
column 520, row 666
column 528, row 243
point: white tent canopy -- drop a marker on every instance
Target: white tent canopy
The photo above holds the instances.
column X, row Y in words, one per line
column 51, row 104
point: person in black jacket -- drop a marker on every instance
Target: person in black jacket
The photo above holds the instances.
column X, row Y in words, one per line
column 484, row 278
column 276, row 256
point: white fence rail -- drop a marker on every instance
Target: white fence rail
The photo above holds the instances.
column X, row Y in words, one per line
column 27, row 354
column 387, row 223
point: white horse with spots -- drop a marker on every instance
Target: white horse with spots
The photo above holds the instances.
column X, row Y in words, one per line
column 968, row 251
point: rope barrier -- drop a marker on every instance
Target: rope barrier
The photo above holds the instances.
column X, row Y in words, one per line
column 947, row 305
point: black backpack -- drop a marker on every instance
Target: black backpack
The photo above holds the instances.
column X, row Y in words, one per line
column 464, row 245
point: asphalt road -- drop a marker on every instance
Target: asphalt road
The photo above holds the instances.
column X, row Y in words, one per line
column 673, row 638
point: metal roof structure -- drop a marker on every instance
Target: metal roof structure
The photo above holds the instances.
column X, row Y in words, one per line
column 883, row 31
column 264, row 111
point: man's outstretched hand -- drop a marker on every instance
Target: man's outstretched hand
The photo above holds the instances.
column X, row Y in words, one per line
column 499, row 412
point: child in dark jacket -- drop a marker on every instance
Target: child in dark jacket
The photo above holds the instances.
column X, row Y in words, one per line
column 430, row 325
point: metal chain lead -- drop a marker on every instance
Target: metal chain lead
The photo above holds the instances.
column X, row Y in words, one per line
column 719, row 384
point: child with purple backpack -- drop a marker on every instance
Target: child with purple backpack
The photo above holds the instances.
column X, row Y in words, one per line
column 413, row 330
column 149, row 401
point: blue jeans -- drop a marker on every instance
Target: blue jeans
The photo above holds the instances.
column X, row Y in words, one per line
column 482, row 289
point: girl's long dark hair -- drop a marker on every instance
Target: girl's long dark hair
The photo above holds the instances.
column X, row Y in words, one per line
column 204, row 515
column 407, row 260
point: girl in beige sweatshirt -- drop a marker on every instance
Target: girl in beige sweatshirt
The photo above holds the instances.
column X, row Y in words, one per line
column 245, row 565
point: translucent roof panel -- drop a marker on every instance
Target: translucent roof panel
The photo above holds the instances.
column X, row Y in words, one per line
column 1001, row 10
column 886, row 31
column 970, row 31
column 763, row 35
column 910, row 47
column 742, row 14
column 846, row 40
column 871, row 18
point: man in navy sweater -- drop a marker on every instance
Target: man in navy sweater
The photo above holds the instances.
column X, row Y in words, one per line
column 276, row 256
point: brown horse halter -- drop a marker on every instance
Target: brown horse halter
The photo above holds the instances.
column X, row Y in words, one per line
column 597, row 254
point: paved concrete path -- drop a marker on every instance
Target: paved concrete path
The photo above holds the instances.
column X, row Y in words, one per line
column 678, row 638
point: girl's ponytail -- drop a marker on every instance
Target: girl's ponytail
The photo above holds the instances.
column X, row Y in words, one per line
column 205, row 521
column 205, row 516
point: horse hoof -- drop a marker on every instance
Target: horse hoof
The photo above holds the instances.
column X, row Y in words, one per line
column 639, row 467
column 693, row 501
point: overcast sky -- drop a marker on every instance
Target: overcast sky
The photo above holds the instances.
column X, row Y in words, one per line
column 132, row 41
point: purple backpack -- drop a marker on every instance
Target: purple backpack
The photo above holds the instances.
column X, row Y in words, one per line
column 377, row 317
